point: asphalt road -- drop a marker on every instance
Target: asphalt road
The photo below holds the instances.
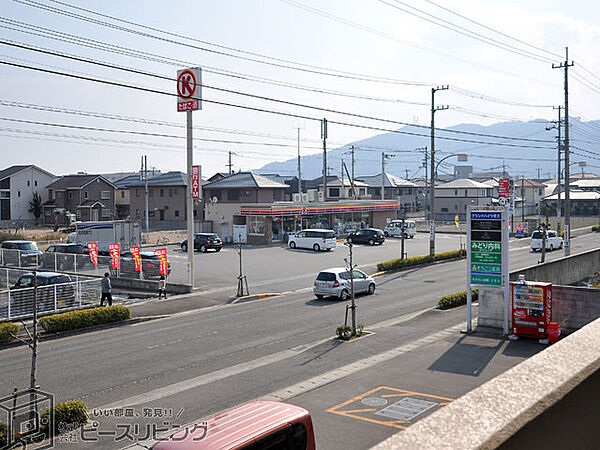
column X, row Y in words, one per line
column 201, row 361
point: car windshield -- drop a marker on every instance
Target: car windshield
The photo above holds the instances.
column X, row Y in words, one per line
column 25, row 281
column 536, row 235
column 326, row 276
column 27, row 246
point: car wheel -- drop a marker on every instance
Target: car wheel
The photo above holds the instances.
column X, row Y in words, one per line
column 292, row 244
column 184, row 247
column 316, row 247
column 371, row 242
column 349, row 240
column 203, row 248
column 344, row 295
column 371, row 289
column 217, row 249
column 319, row 296
column 386, row 234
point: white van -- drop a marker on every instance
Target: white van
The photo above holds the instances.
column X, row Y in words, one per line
column 394, row 228
column 316, row 239
column 553, row 240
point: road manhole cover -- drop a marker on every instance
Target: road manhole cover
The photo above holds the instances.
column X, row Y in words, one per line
column 406, row 409
column 374, row 401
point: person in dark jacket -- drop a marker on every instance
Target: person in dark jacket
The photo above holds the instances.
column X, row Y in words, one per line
column 106, row 290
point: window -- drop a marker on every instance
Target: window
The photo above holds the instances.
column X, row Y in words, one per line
column 71, row 195
column 541, row 192
column 137, row 213
column 233, row 194
column 137, row 192
column 85, row 194
column 122, row 194
column 195, row 213
column 456, row 192
column 361, row 191
column 150, row 213
column 151, row 193
column 50, row 192
column 79, row 214
column 175, row 192
column 334, row 192
column 444, row 209
column 256, row 225
column 162, row 192
column 105, row 195
column 455, row 207
column 277, row 195
column 105, row 213
column 18, row 193
column 35, row 183
column 177, row 213
column 28, row 184
column 170, row 192
column 465, row 192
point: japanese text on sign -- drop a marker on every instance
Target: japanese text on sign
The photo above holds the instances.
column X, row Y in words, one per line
column 93, row 252
column 113, row 250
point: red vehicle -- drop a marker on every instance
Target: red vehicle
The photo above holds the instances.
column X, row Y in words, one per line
column 257, row 425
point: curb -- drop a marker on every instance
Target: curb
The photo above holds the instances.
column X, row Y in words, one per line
column 248, row 298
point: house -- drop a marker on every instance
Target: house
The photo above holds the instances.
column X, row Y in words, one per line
column 18, row 184
column 88, row 197
column 334, row 188
column 452, row 198
column 531, row 193
column 395, row 188
column 166, row 199
column 224, row 197
column 583, row 203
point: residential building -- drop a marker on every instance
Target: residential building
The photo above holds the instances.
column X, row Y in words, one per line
column 166, row 200
column 394, row 188
column 583, row 203
column 529, row 195
column 453, row 198
column 88, row 197
column 17, row 186
column 334, row 188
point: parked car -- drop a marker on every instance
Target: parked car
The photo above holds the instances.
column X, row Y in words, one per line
column 316, row 239
column 150, row 265
column 256, row 425
column 204, row 241
column 394, row 228
column 54, row 290
column 65, row 257
column 369, row 236
column 26, row 253
column 553, row 240
column 336, row 282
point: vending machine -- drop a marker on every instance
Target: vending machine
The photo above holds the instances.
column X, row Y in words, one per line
column 531, row 309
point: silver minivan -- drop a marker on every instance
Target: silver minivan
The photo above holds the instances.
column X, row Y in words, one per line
column 315, row 239
column 336, row 282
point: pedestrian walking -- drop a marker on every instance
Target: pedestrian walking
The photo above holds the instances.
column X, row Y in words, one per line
column 162, row 287
column 106, row 290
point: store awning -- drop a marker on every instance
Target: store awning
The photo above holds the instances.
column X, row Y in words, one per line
column 295, row 209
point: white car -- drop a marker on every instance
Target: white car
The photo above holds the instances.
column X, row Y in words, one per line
column 315, row 239
column 394, row 228
column 553, row 240
column 336, row 282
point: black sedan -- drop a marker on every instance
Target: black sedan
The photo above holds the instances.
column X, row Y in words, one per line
column 369, row 236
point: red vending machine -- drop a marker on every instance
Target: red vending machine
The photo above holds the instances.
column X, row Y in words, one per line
column 531, row 309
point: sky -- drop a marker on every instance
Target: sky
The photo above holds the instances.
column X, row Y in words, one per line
column 277, row 59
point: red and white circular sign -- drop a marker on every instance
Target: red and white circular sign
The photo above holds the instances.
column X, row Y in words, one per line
column 186, row 84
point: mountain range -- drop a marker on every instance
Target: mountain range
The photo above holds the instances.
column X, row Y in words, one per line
column 519, row 148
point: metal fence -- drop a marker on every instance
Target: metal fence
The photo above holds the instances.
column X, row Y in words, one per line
column 17, row 303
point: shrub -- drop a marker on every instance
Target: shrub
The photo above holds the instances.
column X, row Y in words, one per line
column 3, row 437
column 395, row 264
column 67, row 416
column 343, row 332
column 8, row 236
column 7, row 329
column 84, row 318
column 596, row 228
column 456, row 299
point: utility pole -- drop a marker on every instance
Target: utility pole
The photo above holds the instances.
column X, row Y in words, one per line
column 343, row 191
column 558, row 205
column 406, row 171
column 353, row 191
column 425, row 163
column 351, row 180
column 383, row 157
column 299, row 171
column 144, row 173
column 190, row 200
column 432, row 145
column 324, row 137
column 351, row 270
column 523, row 200
column 566, row 66
column 230, row 165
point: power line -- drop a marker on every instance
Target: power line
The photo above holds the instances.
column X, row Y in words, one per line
column 260, row 97
column 282, row 113
column 489, row 98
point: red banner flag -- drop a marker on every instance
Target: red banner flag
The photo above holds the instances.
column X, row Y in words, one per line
column 93, row 251
column 137, row 258
column 113, row 250
column 163, row 268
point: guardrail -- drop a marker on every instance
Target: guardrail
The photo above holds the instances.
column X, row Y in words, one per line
column 17, row 303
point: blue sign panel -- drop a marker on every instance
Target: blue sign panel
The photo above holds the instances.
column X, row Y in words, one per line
column 484, row 215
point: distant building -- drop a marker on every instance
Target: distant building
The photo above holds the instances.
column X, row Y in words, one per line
column 17, row 186
column 395, row 188
column 88, row 197
column 453, row 198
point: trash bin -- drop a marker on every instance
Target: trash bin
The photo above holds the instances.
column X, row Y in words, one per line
column 553, row 332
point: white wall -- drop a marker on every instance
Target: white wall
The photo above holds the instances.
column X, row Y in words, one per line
column 19, row 204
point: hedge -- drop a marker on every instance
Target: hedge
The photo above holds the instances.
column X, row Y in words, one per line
column 596, row 228
column 395, row 264
column 7, row 329
column 456, row 299
column 84, row 318
column 3, row 431
column 67, row 415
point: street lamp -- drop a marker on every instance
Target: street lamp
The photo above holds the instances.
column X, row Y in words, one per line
column 462, row 157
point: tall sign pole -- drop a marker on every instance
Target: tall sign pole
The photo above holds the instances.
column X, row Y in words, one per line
column 189, row 99
column 324, row 137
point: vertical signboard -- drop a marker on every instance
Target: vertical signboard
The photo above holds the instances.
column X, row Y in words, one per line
column 504, row 188
column 189, row 91
column 113, row 251
column 93, row 252
column 163, row 268
column 487, row 254
column 137, row 257
column 195, row 182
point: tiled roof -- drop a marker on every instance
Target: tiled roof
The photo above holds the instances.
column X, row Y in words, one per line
column 528, row 183
column 389, row 181
column 463, row 183
column 174, row 178
column 11, row 171
column 74, row 182
column 242, row 180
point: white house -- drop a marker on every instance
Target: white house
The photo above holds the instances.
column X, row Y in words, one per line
column 452, row 198
column 17, row 186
